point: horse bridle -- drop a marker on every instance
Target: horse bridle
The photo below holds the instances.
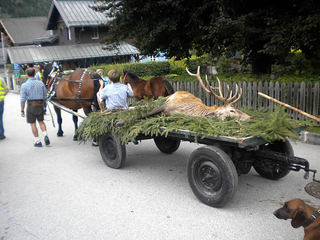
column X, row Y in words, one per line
column 124, row 78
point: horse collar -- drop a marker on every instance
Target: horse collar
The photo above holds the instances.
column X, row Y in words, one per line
column 80, row 84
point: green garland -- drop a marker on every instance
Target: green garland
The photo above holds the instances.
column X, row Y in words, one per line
column 266, row 124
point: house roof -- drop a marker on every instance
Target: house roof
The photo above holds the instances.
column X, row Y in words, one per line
column 26, row 30
column 75, row 13
column 34, row 54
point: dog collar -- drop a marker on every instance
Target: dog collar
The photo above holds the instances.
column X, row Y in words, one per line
column 312, row 218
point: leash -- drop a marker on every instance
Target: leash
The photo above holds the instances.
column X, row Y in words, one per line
column 51, row 115
column 312, row 218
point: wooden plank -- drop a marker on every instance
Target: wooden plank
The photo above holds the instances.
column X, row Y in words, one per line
column 316, row 97
column 277, row 90
column 243, row 100
column 271, row 94
column 249, row 95
column 254, row 95
column 302, row 99
column 309, row 98
column 283, row 94
column 192, row 90
column 266, row 91
column 289, row 100
column 295, row 99
column 260, row 89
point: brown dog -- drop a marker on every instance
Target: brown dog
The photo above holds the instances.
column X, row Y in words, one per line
column 302, row 215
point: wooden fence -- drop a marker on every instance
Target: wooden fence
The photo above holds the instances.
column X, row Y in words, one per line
column 304, row 96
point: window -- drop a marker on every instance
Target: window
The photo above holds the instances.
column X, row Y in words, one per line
column 95, row 33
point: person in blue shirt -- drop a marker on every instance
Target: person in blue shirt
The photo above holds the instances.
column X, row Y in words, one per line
column 104, row 81
column 38, row 75
column 34, row 93
column 115, row 94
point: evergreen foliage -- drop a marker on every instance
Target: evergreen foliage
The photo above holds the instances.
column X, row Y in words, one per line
column 268, row 125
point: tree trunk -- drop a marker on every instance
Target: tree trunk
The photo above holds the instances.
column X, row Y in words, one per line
column 261, row 63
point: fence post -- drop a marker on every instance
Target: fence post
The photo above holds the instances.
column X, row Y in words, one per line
column 316, row 93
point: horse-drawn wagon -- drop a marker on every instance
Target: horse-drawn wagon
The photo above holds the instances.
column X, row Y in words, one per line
column 212, row 169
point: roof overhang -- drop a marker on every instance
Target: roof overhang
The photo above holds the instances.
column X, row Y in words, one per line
column 34, row 54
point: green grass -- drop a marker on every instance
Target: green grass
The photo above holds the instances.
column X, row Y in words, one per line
column 314, row 129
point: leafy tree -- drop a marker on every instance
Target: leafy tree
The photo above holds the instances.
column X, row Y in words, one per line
column 264, row 31
column 24, row 8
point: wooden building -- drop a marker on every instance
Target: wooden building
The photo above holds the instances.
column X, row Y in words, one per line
column 71, row 34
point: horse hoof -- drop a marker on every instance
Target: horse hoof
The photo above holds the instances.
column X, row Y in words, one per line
column 60, row 134
column 75, row 138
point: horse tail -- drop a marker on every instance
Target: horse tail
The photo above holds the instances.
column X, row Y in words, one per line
column 168, row 87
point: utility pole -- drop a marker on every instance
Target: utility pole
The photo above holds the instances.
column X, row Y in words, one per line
column 4, row 59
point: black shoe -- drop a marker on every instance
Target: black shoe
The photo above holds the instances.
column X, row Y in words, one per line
column 2, row 137
column 46, row 140
column 38, row 144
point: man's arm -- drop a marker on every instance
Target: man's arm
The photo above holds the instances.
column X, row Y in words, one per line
column 103, row 94
column 22, row 108
column 129, row 91
column 23, row 98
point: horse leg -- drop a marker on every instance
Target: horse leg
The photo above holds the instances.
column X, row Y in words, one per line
column 75, row 121
column 59, row 120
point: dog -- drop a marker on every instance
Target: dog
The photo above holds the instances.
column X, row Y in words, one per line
column 302, row 215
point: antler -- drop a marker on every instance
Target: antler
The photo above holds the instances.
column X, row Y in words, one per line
column 227, row 99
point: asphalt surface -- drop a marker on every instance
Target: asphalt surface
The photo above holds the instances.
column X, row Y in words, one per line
column 65, row 191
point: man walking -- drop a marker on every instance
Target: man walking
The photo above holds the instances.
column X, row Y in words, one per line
column 34, row 93
column 3, row 91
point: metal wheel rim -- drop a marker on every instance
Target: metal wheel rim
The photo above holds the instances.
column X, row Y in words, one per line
column 208, row 176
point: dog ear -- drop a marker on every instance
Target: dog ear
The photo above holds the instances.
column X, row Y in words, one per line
column 298, row 219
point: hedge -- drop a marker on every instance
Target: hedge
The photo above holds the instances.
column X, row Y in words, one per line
column 141, row 69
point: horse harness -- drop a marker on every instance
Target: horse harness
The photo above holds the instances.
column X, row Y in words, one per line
column 80, row 84
column 78, row 99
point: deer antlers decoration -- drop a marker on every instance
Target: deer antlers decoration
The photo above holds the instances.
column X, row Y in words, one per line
column 228, row 99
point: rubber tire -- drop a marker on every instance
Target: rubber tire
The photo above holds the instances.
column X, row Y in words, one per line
column 113, row 153
column 167, row 145
column 275, row 174
column 212, row 158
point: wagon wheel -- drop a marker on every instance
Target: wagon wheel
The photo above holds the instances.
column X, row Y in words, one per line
column 212, row 176
column 112, row 151
column 167, row 144
column 271, row 170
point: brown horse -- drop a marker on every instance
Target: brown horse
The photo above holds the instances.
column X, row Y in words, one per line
column 74, row 91
column 153, row 88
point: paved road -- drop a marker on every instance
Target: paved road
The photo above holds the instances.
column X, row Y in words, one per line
column 65, row 191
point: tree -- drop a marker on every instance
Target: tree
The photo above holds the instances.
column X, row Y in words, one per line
column 264, row 31
column 24, row 8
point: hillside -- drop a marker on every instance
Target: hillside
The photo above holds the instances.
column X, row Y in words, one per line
column 24, row 8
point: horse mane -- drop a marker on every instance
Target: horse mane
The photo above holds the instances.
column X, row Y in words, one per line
column 132, row 75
